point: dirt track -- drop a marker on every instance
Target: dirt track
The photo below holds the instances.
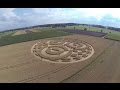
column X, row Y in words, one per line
column 17, row 64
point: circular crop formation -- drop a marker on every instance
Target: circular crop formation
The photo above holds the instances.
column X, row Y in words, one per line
column 62, row 50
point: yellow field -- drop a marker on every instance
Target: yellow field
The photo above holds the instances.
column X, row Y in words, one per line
column 34, row 30
column 19, row 32
column 17, row 64
column 24, row 32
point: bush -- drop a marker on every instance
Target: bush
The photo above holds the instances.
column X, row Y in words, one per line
column 85, row 29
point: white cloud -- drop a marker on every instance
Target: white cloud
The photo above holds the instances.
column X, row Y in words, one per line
column 98, row 13
column 8, row 14
column 10, row 19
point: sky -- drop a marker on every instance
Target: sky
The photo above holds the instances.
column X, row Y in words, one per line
column 11, row 18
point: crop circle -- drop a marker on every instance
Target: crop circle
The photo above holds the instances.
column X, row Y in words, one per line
column 62, row 50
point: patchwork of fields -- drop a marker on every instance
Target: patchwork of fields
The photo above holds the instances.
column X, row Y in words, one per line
column 111, row 34
column 37, row 33
column 17, row 61
column 18, row 64
column 8, row 39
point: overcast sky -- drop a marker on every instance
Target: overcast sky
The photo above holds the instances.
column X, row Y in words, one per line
column 21, row 17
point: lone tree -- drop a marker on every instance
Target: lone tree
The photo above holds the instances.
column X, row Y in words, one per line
column 85, row 29
column 109, row 32
column 101, row 30
column 64, row 26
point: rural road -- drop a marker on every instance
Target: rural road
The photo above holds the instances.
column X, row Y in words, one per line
column 106, row 69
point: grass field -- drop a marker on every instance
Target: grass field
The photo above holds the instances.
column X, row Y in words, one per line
column 113, row 36
column 8, row 39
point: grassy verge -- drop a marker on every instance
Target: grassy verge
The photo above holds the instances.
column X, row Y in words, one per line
column 113, row 37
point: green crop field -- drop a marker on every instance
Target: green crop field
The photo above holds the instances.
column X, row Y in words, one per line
column 31, row 36
column 113, row 37
column 2, row 34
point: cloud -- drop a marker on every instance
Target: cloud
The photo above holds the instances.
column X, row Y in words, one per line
column 109, row 20
column 22, row 17
column 7, row 14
